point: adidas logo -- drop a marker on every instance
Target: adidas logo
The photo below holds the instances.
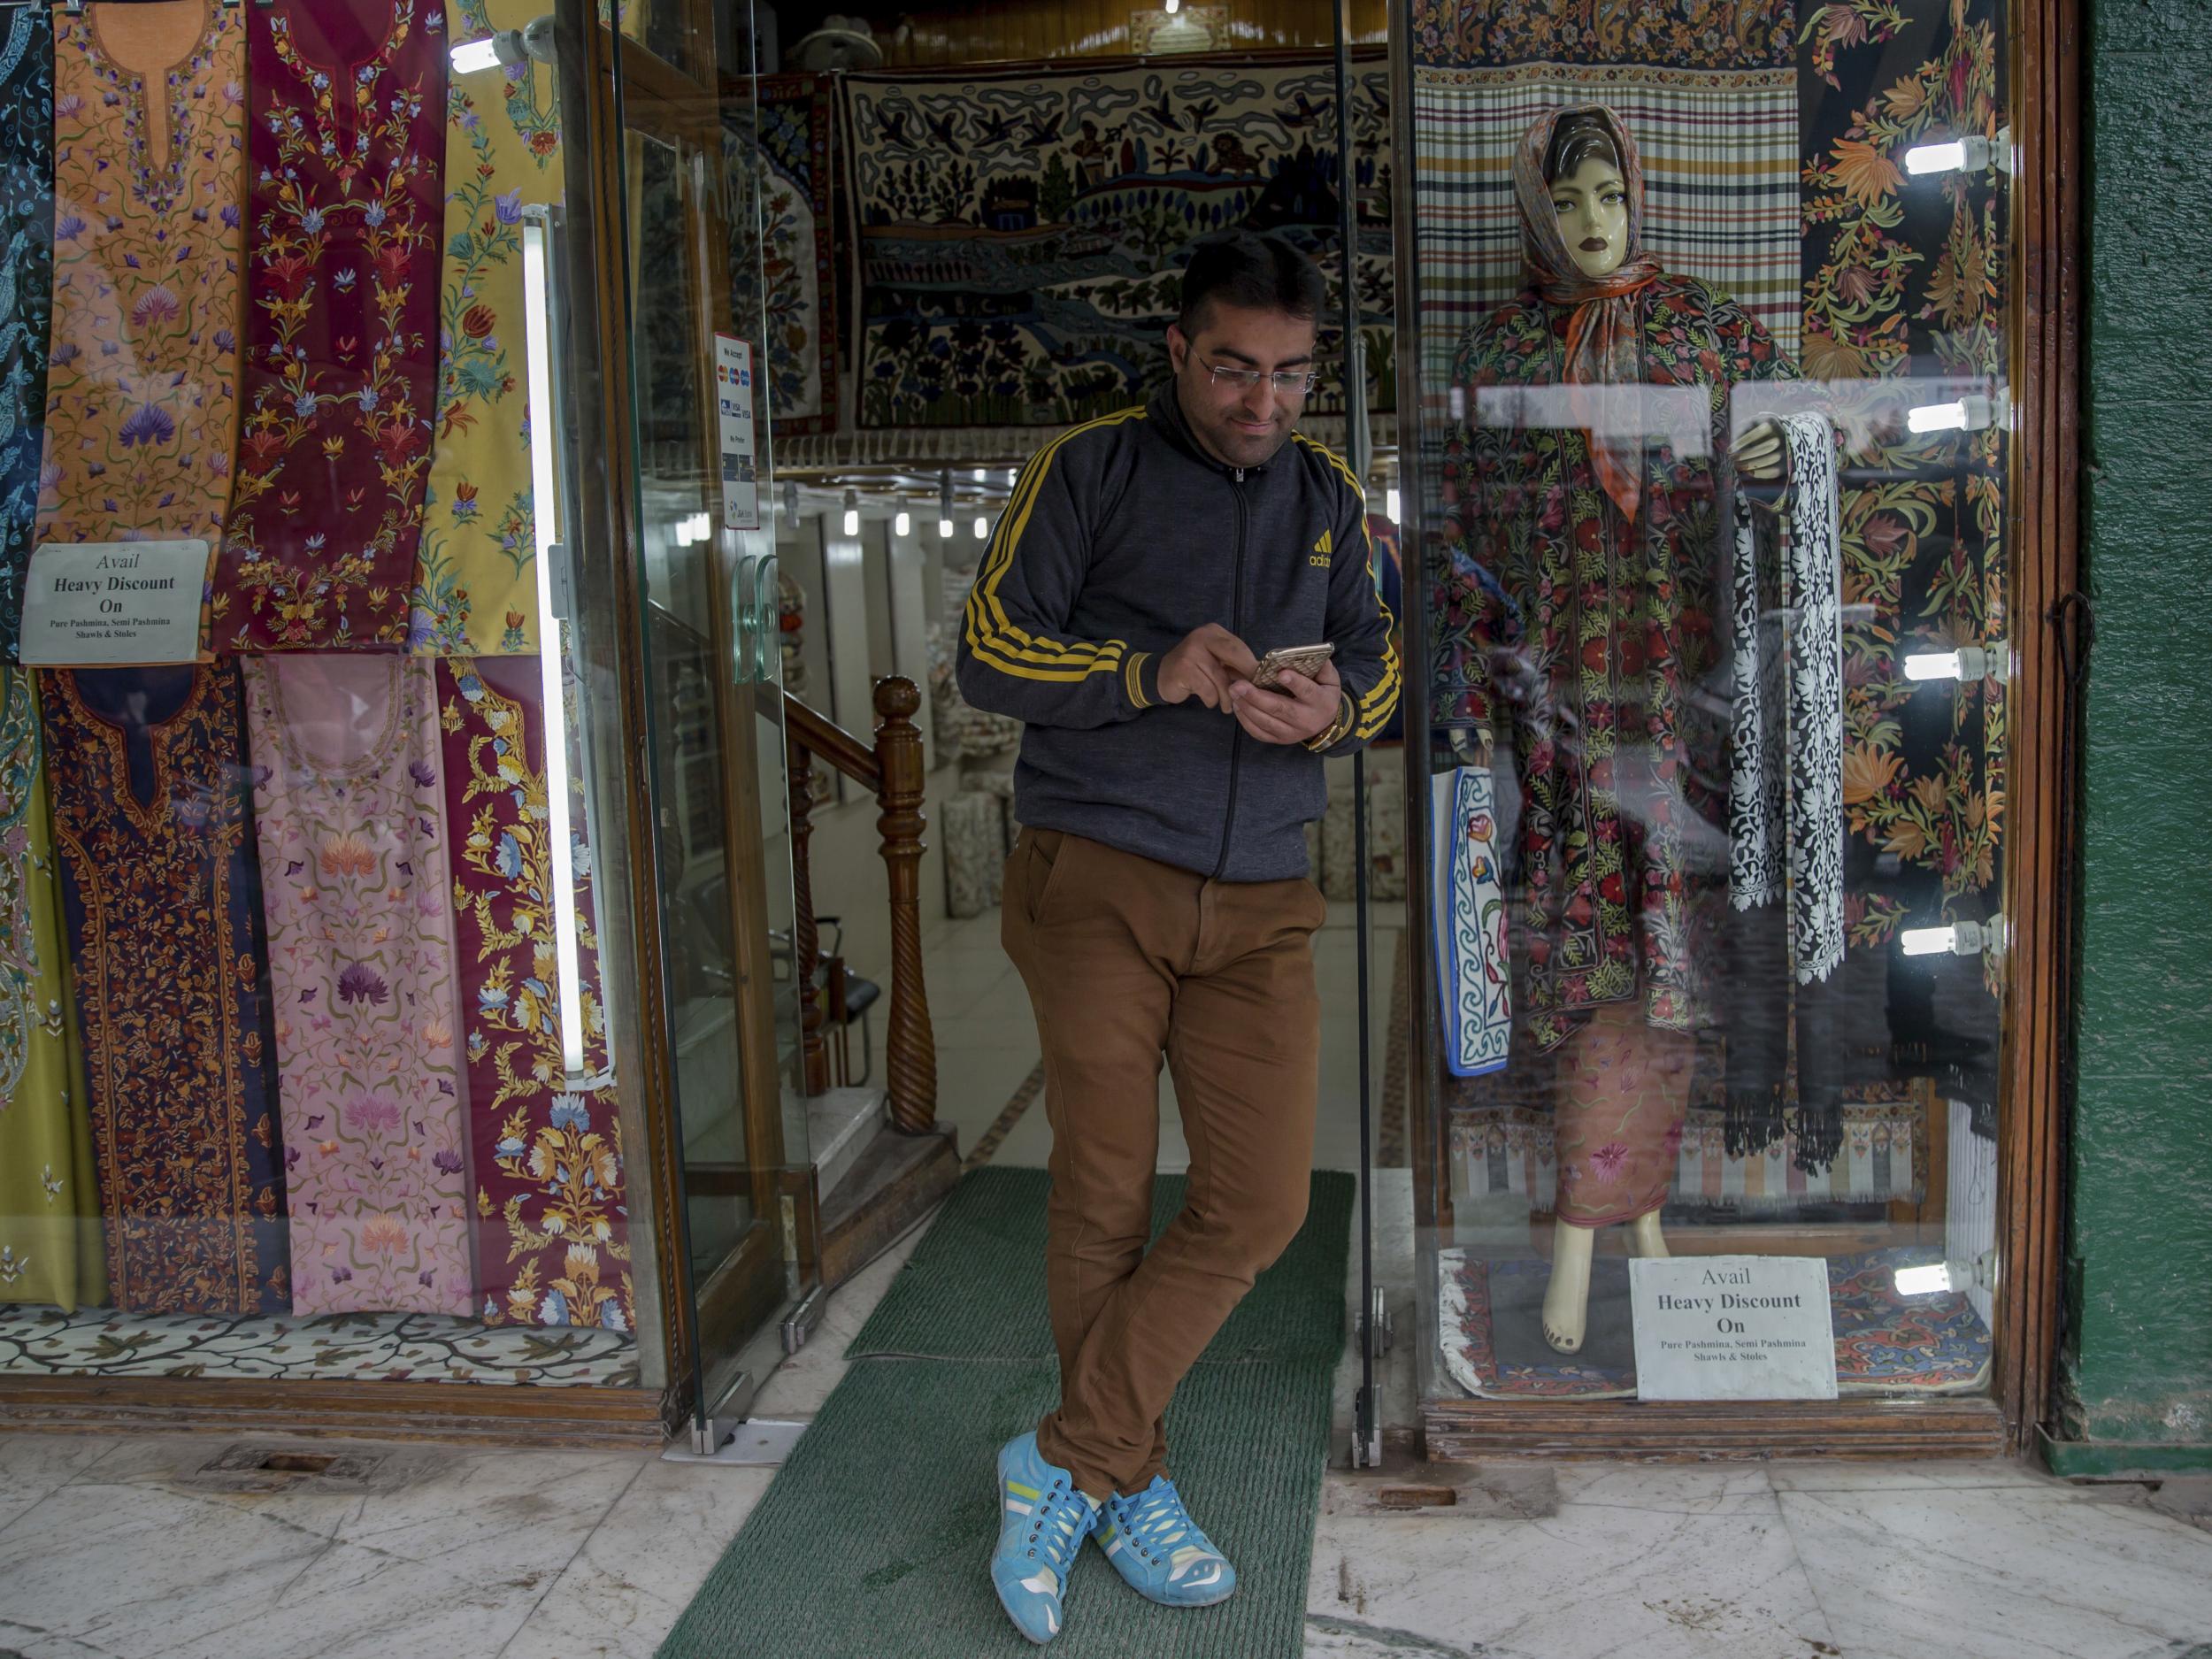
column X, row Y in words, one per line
column 1320, row 553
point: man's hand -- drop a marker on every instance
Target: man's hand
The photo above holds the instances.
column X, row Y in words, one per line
column 1297, row 710
column 1208, row 661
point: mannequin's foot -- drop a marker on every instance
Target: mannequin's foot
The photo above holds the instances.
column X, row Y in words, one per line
column 1645, row 1239
column 1567, row 1299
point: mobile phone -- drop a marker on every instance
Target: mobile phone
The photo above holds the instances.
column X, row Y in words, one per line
column 1290, row 659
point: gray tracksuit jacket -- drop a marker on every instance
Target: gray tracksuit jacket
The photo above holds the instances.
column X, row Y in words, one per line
column 1121, row 536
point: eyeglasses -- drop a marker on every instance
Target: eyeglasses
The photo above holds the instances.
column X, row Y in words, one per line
column 1289, row 382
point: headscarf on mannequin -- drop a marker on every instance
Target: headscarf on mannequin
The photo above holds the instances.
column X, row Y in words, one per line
column 1602, row 334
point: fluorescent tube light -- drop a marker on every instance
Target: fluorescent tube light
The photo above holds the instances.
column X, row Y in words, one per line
column 1933, row 665
column 1959, row 155
column 1968, row 414
column 1923, row 1281
column 538, row 352
column 1390, row 503
column 1928, row 941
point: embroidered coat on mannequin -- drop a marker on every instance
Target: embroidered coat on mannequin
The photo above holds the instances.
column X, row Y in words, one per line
column 1581, row 604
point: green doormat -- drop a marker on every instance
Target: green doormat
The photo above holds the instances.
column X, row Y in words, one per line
column 873, row 1540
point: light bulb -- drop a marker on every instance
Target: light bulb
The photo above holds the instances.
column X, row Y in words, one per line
column 901, row 525
column 982, row 526
column 944, row 528
column 852, row 521
column 1390, row 503
column 981, row 475
column 475, row 57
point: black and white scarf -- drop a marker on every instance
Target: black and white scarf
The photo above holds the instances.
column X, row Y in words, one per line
column 1785, row 733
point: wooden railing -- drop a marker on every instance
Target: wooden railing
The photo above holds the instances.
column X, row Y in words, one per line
column 892, row 769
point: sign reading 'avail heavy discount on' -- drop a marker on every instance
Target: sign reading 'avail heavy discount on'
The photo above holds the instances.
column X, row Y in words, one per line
column 1733, row 1327
column 100, row 604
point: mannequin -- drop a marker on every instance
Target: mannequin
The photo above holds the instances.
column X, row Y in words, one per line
column 1582, row 602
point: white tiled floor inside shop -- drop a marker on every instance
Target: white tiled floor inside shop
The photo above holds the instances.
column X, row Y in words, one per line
column 115, row 1548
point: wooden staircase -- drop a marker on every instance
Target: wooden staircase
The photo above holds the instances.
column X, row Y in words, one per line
column 907, row 1161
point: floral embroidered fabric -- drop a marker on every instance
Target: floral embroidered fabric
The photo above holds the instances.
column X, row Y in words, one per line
column 476, row 585
column 1593, row 638
column 142, row 413
column 49, row 1233
column 551, row 1206
column 160, row 887
column 347, row 150
column 26, row 274
column 349, row 812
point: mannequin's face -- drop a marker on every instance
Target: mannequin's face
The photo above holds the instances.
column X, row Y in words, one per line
column 1592, row 203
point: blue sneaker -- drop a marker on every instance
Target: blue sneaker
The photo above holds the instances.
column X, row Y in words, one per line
column 1043, row 1519
column 1158, row 1548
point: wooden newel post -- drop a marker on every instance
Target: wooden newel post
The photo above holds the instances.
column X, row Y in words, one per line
column 911, row 1048
column 806, row 945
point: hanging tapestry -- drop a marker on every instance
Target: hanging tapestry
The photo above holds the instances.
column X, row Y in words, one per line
column 781, row 272
column 50, row 1208
column 162, row 893
column 150, row 132
column 552, row 1240
column 1715, row 114
column 476, row 579
column 1905, row 283
column 1023, row 236
column 350, row 814
column 348, row 145
column 26, row 272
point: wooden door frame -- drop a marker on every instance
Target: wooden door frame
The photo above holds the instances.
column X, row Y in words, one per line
column 670, row 102
column 2045, row 43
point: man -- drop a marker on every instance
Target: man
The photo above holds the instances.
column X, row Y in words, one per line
column 1156, row 902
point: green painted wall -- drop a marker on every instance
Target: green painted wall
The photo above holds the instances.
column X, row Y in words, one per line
column 2138, row 1369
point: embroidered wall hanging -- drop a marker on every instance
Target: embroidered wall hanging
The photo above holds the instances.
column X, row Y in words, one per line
column 50, row 1208
column 141, row 412
column 350, row 814
column 476, row 582
column 26, row 274
column 160, row 885
column 347, row 153
column 781, row 267
column 550, row 1200
column 1023, row 235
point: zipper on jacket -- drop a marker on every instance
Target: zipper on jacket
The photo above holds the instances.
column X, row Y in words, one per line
column 1236, row 626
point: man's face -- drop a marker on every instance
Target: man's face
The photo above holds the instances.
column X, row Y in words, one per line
column 1241, row 424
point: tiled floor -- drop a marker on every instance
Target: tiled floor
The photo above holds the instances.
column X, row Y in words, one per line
column 131, row 1548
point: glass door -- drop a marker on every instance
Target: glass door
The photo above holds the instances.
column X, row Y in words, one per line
column 681, row 80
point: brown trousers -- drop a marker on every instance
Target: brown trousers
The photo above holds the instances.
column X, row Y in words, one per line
column 1128, row 960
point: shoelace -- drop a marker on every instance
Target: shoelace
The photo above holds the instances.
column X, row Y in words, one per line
column 1154, row 1520
column 1054, row 1526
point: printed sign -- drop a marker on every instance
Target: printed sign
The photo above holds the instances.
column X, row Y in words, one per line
column 1733, row 1327
column 108, row 604
column 734, row 409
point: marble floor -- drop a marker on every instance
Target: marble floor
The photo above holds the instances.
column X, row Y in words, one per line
column 191, row 1547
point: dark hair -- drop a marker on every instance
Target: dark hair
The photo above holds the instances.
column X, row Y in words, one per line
column 1257, row 271
column 1578, row 139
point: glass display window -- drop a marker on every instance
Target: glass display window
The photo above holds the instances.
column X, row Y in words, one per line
column 1713, row 464
column 370, row 1018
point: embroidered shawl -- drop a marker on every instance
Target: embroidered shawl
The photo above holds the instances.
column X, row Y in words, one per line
column 26, row 274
